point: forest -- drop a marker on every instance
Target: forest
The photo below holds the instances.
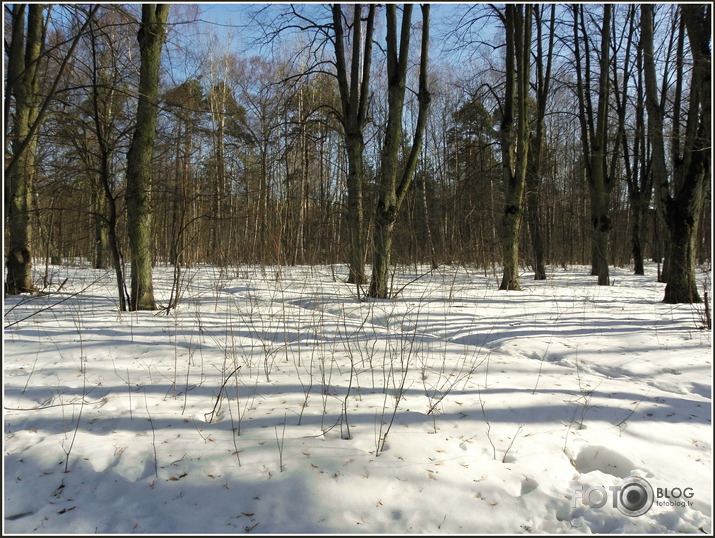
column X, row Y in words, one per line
column 357, row 268
column 503, row 137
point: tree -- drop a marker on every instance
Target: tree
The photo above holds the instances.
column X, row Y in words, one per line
column 393, row 189
column 226, row 119
column 637, row 173
column 23, row 84
column 473, row 169
column 151, row 37
column 105, row 105
column 354, row 100
column 534, row 167
column 186, row 102
column 594, row 138
column 680, row 192
column 514, row 146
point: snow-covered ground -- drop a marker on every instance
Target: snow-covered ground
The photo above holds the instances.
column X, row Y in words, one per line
column 272, row 400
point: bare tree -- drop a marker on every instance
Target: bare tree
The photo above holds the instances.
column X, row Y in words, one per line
column 106, row 102
column 626, row 77
column 25, row 50
column 594, row 137
column 354, row 92
column 680, row 194
column 23, row 83
column 152, row 32
column 534, row 167
column 514, row 145
column 395, row 183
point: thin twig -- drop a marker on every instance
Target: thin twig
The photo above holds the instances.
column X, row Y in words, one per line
column 55, row 304
column 518, row 431
column 280, row 444
column 153, row 438
column 218, row 397
column 394, row 296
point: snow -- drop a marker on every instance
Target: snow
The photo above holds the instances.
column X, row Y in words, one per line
column 275, row 400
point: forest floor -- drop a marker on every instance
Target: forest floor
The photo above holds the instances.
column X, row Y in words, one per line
column 274, row 400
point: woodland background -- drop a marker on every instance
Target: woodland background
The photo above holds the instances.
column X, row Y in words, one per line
column 250, row 163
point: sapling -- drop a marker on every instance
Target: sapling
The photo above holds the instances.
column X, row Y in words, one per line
column 307, row 388
column 236, row 427
column 153, row 440
column 68, row 450
column 129, row 390
column 622, row 424
column 486, row 421
column 83, row 372
column 345, row 405
column 280, row 442
column 326, row 376
column 209, row 417
column 516, row 434
column 586, row 395
column 406, row 351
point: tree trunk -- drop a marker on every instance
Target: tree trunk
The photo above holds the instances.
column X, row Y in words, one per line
column 428, row 228
column 634, row 152
column 642, row 189
column 636, row 234
column 684, row 210
column 682, row 286
column 600, row 229
column 533, row 209
column 515, row 149
column 600, row 183
column 101, row 237
column 355, row 213
column 114, row 248
column 151, row 39
column 23, row 62
column 354, row 100
column 24, row 54
column 384, row 226
column 534, row 165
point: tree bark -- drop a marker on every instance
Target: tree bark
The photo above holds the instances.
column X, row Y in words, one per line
column 151, row 39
